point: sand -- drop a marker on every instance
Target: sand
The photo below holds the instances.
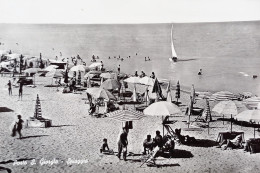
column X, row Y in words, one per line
column 76, row 135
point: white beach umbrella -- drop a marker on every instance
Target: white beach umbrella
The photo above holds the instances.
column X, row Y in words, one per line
column 162, row 108
column 13, row 56
column 249, row 116
column 95, row 64
column 147, row 81
column 226, row 108
column 133, row 79
column 78, row 68
column 32, row 70
column 50, row 68
column 3, row 52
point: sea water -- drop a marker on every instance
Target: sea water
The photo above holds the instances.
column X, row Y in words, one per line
column 228, row 53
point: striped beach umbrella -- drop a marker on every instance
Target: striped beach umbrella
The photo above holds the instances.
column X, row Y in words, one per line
column 223, row 96
column 126, row 115
column 252, row 102
column 207, row 112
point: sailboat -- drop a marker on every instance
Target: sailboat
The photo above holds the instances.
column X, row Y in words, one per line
column 174, row 55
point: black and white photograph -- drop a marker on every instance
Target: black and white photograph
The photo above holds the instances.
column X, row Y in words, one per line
column 123, row 86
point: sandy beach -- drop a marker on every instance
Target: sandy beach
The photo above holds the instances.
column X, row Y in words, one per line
column 76, row 137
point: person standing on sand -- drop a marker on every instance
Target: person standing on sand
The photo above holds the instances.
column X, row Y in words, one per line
column 19, row 125
column 122, row 144
column 118, row 68
column 21, row 90
column 9, row 87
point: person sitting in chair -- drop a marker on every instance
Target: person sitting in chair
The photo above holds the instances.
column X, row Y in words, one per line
column 235, row 143
column 148, row 144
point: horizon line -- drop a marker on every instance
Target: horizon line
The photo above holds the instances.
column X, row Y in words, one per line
column 144, row 23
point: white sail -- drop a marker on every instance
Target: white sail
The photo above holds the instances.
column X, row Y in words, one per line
column 174, row 55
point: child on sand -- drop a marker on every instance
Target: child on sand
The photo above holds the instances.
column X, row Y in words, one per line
column 104, row 148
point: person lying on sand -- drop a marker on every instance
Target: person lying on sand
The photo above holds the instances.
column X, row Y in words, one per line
column 235, row 143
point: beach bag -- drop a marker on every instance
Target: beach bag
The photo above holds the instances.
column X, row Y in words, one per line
column 14, row 131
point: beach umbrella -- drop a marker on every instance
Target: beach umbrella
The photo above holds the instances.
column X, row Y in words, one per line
column 50, row 68
column 108, row 75
column 252, row 102
column 223, row 96
column 95, row 64
column 252, row 116
column 162, row 108
column 13, row 56
column 101, row 93
column 226, row 108
column 132, row 79
column 55, row 74
column 168, row 90
column 32, row 70
column 110, row 84
column 126, row 115
column 91, row 74
column 147, row 81
column 249, row 116
column 80, row 68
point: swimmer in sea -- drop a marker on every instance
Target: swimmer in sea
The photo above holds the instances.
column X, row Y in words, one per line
column 200, row 72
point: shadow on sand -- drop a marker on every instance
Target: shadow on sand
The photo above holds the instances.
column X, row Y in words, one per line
column 5, row 109
column 203, row 143
column 177, row 153
column 163, row 165
column 36, row 136
column 5, row 169
column 62, row 125
column 11, row 161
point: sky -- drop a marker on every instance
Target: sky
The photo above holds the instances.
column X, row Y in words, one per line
column 127, row 11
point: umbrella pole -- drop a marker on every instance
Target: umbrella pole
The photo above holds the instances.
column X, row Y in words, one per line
column 223, row 119
column 254, row 130
column 231, row 123
column 208, row 127
column 163, row 125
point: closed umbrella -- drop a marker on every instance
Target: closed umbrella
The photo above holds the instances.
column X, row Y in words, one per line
column 223, row 96
column 126, row 115
column 157, row 89
column 110, row 84
column 168, row 90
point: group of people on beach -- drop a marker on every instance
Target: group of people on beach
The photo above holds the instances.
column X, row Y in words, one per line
column 143, row 74
column 20, row 91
